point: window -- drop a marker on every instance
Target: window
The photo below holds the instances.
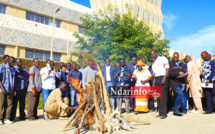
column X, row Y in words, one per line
column 56, row 57
column 31, row 54
column 2, row 9
column 2, row 50
column 81, row 29
column 42, row 19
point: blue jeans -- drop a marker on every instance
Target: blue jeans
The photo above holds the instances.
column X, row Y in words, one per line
column 108, row 85
column 72, row 98
column 178, row 97
column 184, row 100
column 45, row 95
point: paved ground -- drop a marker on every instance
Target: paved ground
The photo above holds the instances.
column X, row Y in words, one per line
column 188, row 124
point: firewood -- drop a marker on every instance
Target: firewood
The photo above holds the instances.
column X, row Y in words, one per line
column 74, row 114
column 106, row 98
column 97, row 108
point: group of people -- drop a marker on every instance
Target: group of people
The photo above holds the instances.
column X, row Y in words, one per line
column 63, row 89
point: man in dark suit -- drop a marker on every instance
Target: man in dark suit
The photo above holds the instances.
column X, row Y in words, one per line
column 132, row 66
column 108, row 74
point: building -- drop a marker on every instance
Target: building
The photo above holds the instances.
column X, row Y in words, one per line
column 181, row 54
column 26, row 28
column 149, row 10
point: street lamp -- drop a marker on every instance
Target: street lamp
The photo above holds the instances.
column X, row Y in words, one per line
column 51, row 56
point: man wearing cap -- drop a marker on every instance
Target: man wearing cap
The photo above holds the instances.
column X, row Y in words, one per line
column 160, row 69
column 208, row 68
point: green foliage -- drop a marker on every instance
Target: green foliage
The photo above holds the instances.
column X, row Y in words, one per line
column 110, row 34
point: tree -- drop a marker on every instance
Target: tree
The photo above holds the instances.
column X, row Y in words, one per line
column 109, row 34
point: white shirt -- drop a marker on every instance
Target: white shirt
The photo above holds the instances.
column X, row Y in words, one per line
column 141, row 76
column 108, row 78
column 160, row 65
column 48, row 80
column 146, row 67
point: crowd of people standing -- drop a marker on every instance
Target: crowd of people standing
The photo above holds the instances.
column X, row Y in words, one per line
column 63, row 89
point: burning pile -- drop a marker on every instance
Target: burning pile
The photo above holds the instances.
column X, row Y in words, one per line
column 95, row 113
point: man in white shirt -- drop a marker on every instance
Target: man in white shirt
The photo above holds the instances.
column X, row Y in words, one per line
column 160, row 69
column 48, row 81
column 108, row 74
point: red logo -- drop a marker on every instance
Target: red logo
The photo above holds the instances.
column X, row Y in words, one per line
column 145, row 92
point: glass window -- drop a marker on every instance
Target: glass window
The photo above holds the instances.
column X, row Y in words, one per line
column 29, row 54
column 2, row 50
column 81, row 29
column 46, row 55
column 2, row 9
column 56, row 57
column 39, row 55
column 42, row 19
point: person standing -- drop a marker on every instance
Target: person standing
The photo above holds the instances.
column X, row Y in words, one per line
column 194, row 80
column 68, row 67
column 7, row 79
column 177, row 69
column 83, row 66
column 34, row 90
column 108, row 74
column 142, row 77
column 63, row 78
column 208, row 68
column 48, row 80
column 89, row 74
column 74, row 77
column 5, row 59
column 123, row 77
column 132, row 66
column 160, row 69
column 151, row 100
column 144, row 62
column 21, row 86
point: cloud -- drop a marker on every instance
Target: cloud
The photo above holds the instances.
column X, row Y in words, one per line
column 194, row 44
column 169, row 20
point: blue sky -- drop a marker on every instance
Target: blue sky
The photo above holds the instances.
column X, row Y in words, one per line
column 188, row 24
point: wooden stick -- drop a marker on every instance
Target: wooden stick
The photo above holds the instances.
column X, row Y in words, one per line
column 97, row 108
column 82, row 118
column 123, row 120
column 109, row 124
column 106, row 98
column 74, row 114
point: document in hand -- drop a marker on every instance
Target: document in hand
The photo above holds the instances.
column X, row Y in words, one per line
column 181, row 76
column 210, row 85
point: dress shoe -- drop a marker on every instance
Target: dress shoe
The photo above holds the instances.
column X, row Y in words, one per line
column 158, row 116
column 163, row 117
column 208, row 112
column 184, row 112
column 177, row 113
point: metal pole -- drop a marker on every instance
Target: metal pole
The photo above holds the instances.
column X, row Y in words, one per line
column 67, row 41
column 51, row 56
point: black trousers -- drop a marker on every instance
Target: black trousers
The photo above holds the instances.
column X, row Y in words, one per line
column 190, row 100
column 132, row 100
column 162, row 102
column 210, row 95
column 20, row 97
